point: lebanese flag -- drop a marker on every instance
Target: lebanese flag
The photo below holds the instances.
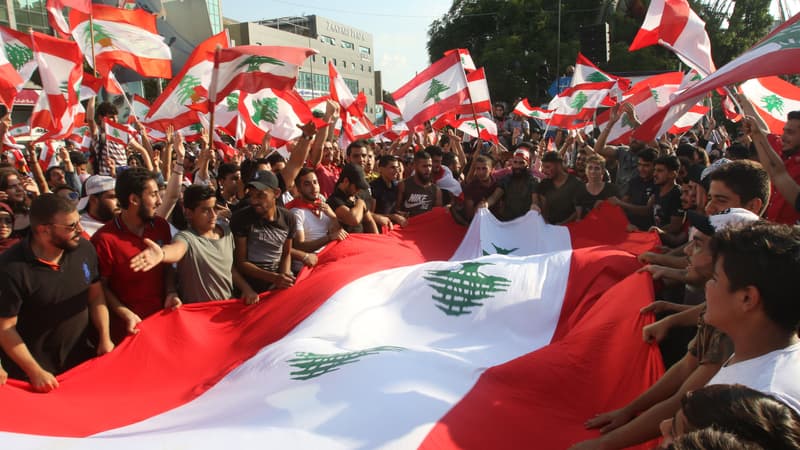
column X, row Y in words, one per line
column 380, row 352
column 91, row 85
column 117, row 132
column 464, row 56
column 479, row 100
column 275, row 111
column 525, row 109
column 124, row 37
column 226, row 114
column 177, row 105
column 61, row 70
column 644, row 105
column 578, row 103
column 673, row 24
column 662, row 86
column 778, row 53
column 252, row 68
column 75, row 115
column 18, row 130
column 436, row 90
column 772, row 99
column 318, row 105
column 587, row 72
column 478, row 127
column 14, row 150
column 10, row 80
column 139, row 107
column 48, row 156
column 359, row 127
column 18, row 49
column 341, row 94
column 689, row 120
column 55, row 12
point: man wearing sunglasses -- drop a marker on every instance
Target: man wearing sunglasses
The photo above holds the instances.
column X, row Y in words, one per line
column 49, row 291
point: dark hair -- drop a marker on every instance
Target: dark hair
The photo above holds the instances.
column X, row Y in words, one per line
column 552, row 157
column 421, row 155
column 434, row 151
column 136, row 156
column 648, row 154
column 104, row 110
column 46, row 206
column 275, row 158
column 384, row 160
column 749, row 414
column 671, row 162
column 5, row 173
column 360, row 143
column 303, row 172
column 448, row 158
column 484, row 159
column 739, row 151
column 793, row 115
column 50, row 171
column 132, row 181
column 226, row 169
column 766, row 256
column 195, row 194
column 687, row 150
column 745, row 178
column 62, row 187
column 711, row 439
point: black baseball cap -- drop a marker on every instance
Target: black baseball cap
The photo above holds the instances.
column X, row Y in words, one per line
column 263, row 180
column 355, row 174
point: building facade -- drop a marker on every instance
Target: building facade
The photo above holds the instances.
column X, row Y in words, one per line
column 349, row 49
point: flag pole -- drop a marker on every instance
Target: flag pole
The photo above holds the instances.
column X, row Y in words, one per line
column 212, row 94
column 91, row 36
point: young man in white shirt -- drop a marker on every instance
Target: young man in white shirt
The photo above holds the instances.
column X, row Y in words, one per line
column 751, row 298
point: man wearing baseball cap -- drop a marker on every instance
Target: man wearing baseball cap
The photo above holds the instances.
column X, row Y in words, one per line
column 263, row 233
column 351, row 211
column 99, row 205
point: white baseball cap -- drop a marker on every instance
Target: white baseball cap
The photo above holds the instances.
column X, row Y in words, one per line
column 95, row 184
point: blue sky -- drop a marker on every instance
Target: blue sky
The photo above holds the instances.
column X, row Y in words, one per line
column 399, row 29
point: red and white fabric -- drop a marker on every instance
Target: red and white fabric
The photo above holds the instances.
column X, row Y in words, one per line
column 577, row 104
column 478, row 127
column 525, row 109
column 673, row 24
column 60, row 66
column 465, row 56
column 644, row 105
column 124, row 37
column 340, row 92
column 587, row 72
column 772, row 99
column 10, row 80
column 436, row 90
column 479, row 100
column 18, row 49
column 117, row 132
column 275, row 111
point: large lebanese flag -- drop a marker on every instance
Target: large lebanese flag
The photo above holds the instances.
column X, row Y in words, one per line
column 772, row 99
column 673, row 24
column 777, row 54
column 121, row 36
column 369, row 352
column 436, row 90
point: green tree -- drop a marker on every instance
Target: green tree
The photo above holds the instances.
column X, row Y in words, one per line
column 232, row 101
column 436, row 88
column 186, row 88
column 18, row 55
column 732, row 31
column 265, row 109
column 254, row 63
column 772, row 103
column 458, row 291
column 313, row 365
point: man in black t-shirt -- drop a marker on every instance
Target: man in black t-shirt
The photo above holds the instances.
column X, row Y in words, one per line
column 350, row 209
column 263, row 233
column 666, row 202
column 640, row 188
column 384, row 193
column 517, row 190
column 49, row 290
column 559, row 192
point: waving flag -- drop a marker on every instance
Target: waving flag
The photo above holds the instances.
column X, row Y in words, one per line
column 124, row 37
column 662, row 86
column 56, row 16
column 778, row 53
column 477, row 127
column 359, row 127
column 525, row 109
column 251, row 68
column 61, row 71
column 689, row 120
column 773, row 99
column 578, row 103
column 91, row 85
column 117, row 132
column 673, row 24
column 341, row 94
column 479, row 100
column 408, row 351
column 275, row 111
column 18, row 49
column 586, row 72
column 188, row 91
column 644, row 105
column 464, row 56
column 436, row 90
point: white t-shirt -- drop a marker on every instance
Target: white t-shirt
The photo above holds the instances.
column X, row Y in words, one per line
column 776, row 373
column 313, row 227
column 89, row 224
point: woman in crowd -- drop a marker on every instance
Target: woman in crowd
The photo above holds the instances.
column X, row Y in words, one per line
column 597, row 188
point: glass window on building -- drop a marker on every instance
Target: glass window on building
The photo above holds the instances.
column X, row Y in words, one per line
column 351, row 84
column 31, row 14
column 370, row 91
column 362, row 67
column 327, row 39
column 364, row 50
column 321, row 83
column 324, row 60
column 353, row 66
column 344, row 64
column 305, row 81
column 334, row 62
column 349, row 45
column 370, row 69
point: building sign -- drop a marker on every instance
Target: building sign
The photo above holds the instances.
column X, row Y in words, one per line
column 347, row 31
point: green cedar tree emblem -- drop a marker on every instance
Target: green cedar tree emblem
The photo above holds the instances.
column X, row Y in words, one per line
column 115, row 133
column 459, row 291
column 312, row 365
column 654, row 93
column 436, row 88
column 626, row 122
column 787, row 39
column 772, row 103
column 18, row 55
column 265, row 109
column 63, row 87
column 254, row 63
column 186, row 89
column 696, row 77
column 597, row 77
column 476, row 126
column 578, row 101
column 501, row 250
column 197, row 127
column 101, row 36
column 232, row 101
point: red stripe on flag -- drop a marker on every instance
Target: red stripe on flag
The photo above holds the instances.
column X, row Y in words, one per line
column 426, row 75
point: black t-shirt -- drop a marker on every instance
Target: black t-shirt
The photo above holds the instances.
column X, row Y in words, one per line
column 667, row 206
column 339, row 198
column 639, row 193
column 51, row 305
column 385, row 196
column 587, row 200
column 517, row 194
column 265, row 239
column 560, row 202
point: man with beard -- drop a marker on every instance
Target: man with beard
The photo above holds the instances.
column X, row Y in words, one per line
column 559, row 191
column 517, row 190
column 418, row 194
column 203, row 253
column 49, row 290
column 384, row 193
column 99, row 205
column 480, row 185
column 263, row 234
column 346, row 202
column 133, row 295
column 626, row 157
column 315, row 221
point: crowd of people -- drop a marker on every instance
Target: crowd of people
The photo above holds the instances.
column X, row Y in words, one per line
column 92, row 246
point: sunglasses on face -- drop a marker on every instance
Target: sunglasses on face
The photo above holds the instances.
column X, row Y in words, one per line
column 6, row 220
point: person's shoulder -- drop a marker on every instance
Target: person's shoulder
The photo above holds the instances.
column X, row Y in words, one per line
column 242, row 213
column 105, row 232
column 14, row 254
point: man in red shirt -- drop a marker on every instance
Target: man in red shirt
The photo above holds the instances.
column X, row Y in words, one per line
column 131, row 295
